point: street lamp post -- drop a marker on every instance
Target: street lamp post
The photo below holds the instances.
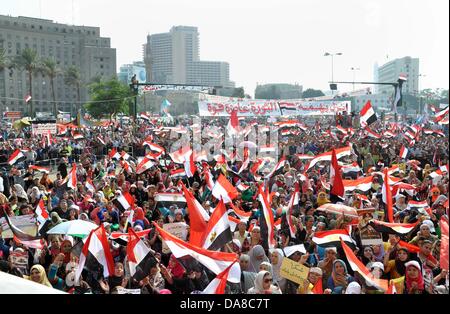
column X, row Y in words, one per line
column 332, row 65
column 354, row 69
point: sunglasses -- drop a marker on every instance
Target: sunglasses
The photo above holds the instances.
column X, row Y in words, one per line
column 267, row 280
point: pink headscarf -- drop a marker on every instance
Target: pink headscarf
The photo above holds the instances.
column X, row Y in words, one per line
column 419, row 279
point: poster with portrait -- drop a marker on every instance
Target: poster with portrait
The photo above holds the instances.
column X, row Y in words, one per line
column 369, row 236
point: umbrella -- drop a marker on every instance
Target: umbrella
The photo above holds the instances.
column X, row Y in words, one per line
column 339, row 210
column 78, row 228
column 248, row 144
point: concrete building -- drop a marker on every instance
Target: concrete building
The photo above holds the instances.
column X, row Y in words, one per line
column 174, row 58
column 68, row 45
column 390, row 72
column 278, row 91
column 127, row 71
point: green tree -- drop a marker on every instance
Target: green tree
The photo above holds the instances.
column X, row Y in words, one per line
column 51, row 69
column 109, row 98
column 310, row 93
column 239, row 92
column 72, row 78
column 28, row 60
column 4, row 61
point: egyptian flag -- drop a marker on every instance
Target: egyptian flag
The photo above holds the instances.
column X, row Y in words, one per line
column 387, row 197
column 267, row 222
column 287, row 108
column 397, row 98
column 90, row 185
column 257, row 165
column 367, row 115
column 179, row 156
column 126, row 166
column 154, row 147
column 351, row 170
column 421, row 206
column 113, row 154
column 71, row 178
column 388, row 134
column 123, row 238
column 215, row 261
column 403, row 187
column 242, row 215
column 178, row 173
column 218, row 284
column 332, row 238
column 198, row 218
column 140, row 257
column 303, row 156
column 41, row 213
column 371, row 133
column 144, row 116
column 16, row 157
column 233, row 124
column 218, row 231
column 124, row 201
column 77, row 136
column 444, row 243
column 167, row 199
column 97, row 246
column 278, row 168
column 415, row 249
column 392, row 228
column 144, row 165
column 242, row 187
column 337, row 192
column 33, row 244
column 340, row 152
column 441, row 115
column 223, row 189
column 359, row 267
column 19, row 234
column 403, row 152
column 40, row 169
column 189, row 166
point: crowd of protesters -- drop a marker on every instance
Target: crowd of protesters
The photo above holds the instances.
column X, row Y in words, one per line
column 22, row 188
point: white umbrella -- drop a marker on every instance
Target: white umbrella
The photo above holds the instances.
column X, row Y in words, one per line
column 79, row 228
column 10, row 284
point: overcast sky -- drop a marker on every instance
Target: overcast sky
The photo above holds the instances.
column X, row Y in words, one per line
column 273, row 41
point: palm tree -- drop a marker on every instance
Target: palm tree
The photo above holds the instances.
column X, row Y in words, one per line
column 72, row 77
column 50, row 69
column 28, row 61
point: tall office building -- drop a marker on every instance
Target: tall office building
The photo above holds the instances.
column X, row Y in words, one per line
column 174, row 58
column 127, row 71
column 68, row 45
column 390, row 72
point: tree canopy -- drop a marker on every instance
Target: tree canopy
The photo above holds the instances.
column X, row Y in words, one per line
column 109, row 98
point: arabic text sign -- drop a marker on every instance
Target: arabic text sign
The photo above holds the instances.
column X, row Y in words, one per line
column 43, row 128
column 294, row 271
column 315, row 108
column 178, row 229
column 26, row 223
column 246, row 108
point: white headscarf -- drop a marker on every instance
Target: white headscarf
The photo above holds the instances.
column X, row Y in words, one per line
column 276, row 267
column 256, row 251
column 20, row 192
column 259, row 287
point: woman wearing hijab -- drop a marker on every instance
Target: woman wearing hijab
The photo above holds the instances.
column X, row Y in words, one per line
column 257, row 256
column 396, row 267
column 38, row 274
column 263, row 284
column 339, row 276
column 118, row 279
column 276, row 258
column 414, row 283
column 20, row 193
column 378, row 252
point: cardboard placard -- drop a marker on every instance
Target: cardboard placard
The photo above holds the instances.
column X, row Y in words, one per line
column 178, row 229
column 294, row 271
column 26, row 223
column 122, row 290
column 370, row 236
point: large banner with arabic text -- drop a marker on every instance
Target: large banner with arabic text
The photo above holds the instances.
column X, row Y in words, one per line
column 251, row 108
